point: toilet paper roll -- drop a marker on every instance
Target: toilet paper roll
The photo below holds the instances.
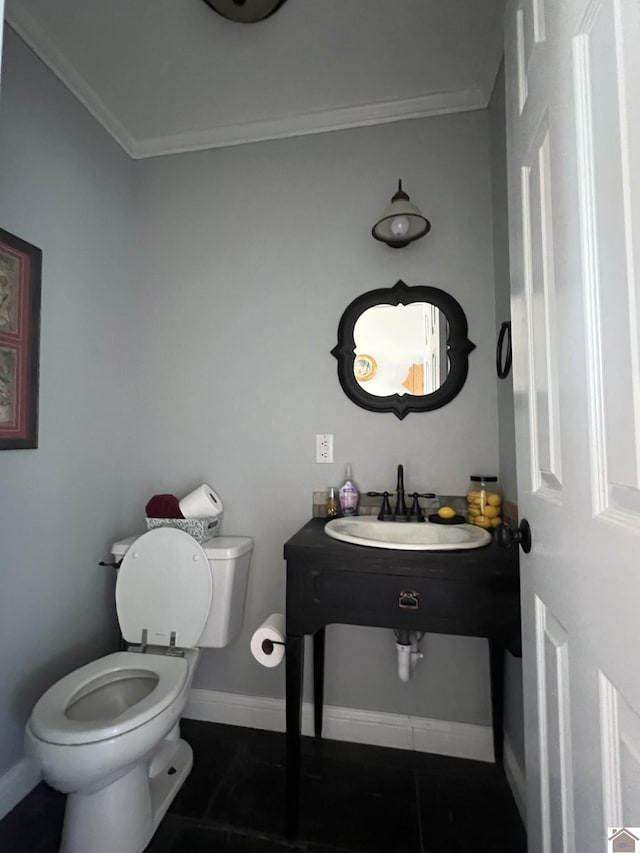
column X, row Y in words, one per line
column 201, row 503
column 267, row 643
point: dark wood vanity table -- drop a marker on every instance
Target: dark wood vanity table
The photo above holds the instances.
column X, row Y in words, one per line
column 474, row 593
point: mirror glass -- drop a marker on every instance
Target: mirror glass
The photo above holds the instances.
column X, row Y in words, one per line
column 403, row 349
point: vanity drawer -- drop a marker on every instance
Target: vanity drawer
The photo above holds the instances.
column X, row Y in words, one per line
column 439, row 604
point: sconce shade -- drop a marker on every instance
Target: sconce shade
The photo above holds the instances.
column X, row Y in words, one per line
column 245, row 11
column 401, row 223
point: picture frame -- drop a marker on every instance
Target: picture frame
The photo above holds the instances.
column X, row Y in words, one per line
column 20, row 294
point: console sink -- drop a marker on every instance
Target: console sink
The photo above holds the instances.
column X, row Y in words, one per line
column 426, row 536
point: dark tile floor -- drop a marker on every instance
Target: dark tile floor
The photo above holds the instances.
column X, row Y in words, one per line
column 355, row 799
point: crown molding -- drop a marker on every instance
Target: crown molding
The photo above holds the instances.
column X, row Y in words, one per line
column 302, row 124
column 305, row 124
column 37, row 39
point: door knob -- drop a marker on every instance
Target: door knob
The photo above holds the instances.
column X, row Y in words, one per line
column 507, row 536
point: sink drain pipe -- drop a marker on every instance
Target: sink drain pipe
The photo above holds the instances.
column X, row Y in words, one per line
column 408, row 648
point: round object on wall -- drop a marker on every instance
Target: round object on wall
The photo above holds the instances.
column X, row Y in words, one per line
column 245, row 11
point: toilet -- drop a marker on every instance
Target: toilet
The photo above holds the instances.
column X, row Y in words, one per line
column 108, row 733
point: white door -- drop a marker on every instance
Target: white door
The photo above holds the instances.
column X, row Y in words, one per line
column 573, row 131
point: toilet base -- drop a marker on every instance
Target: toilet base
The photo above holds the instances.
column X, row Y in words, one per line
column 123, row 816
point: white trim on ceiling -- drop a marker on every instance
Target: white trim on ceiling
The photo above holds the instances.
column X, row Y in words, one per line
column 40, row 43
column 302, row 124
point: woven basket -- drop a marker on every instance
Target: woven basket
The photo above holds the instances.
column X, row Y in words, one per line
column 201, row 529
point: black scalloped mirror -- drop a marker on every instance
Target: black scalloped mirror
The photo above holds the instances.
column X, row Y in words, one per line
column 403, row 349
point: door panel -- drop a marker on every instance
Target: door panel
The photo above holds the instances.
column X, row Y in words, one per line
column 607, row 165
column 573, row 141
column 552, row 661
column 620, row 739
column 530, row 34
column 540, row 308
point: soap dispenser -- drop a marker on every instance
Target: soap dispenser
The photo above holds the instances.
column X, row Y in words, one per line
column 349, row 494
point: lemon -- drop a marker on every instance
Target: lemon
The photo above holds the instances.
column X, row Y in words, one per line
column 446, row 512
column 482, row 521
column 496, row 521
column 494, row 500
column 491, row 511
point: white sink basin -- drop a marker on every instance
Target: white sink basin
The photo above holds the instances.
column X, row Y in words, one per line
column 409, row 536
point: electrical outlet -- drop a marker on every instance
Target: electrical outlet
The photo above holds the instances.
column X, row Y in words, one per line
column 324, row 447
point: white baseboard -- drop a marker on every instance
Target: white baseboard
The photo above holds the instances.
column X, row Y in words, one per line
column 16, row 783
column 442, row 737
column 461, row 740
column 516, row 778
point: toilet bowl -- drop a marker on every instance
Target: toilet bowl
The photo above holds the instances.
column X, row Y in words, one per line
column 107, row 734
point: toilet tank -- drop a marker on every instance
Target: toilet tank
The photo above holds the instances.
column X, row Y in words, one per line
column 229, row 558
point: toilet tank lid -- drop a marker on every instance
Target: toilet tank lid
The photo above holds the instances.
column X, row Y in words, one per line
column 220, row 548
column 120, row 548
column 227, row 547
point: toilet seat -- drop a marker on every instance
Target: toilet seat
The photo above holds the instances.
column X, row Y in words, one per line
column 49, row 720
column 164, row 587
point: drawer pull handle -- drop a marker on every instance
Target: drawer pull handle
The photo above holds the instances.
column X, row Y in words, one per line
column 408, row 599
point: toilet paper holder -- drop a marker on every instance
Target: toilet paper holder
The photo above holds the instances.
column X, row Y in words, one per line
column 267, row 645
column 115, row 565
column 268, row 642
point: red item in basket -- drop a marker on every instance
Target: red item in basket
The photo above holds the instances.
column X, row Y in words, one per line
column 163, row 506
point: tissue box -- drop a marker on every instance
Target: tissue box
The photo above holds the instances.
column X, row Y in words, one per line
column 201, row 529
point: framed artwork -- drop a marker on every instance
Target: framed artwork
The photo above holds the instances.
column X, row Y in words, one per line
column 20, row 282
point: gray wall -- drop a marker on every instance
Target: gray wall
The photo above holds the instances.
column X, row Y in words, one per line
column 514, row 720
column 64, row 186
column 189, row 306
column 251, row 254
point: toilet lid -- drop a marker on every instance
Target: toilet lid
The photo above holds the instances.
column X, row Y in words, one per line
column 164, row 585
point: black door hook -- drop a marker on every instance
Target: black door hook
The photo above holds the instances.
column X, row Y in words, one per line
column 503, row 360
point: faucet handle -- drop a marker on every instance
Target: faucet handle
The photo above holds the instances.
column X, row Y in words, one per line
column 385, row 513
column 415, row 513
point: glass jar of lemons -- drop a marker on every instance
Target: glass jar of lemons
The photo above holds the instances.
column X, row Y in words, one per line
column 484, row 502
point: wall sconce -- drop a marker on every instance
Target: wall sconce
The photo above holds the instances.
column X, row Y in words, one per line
column 245, row 11
column 401, row 223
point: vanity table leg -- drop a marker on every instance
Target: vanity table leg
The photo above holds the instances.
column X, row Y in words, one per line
column 496, row 665
column 294, row 663
column 318, row 682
